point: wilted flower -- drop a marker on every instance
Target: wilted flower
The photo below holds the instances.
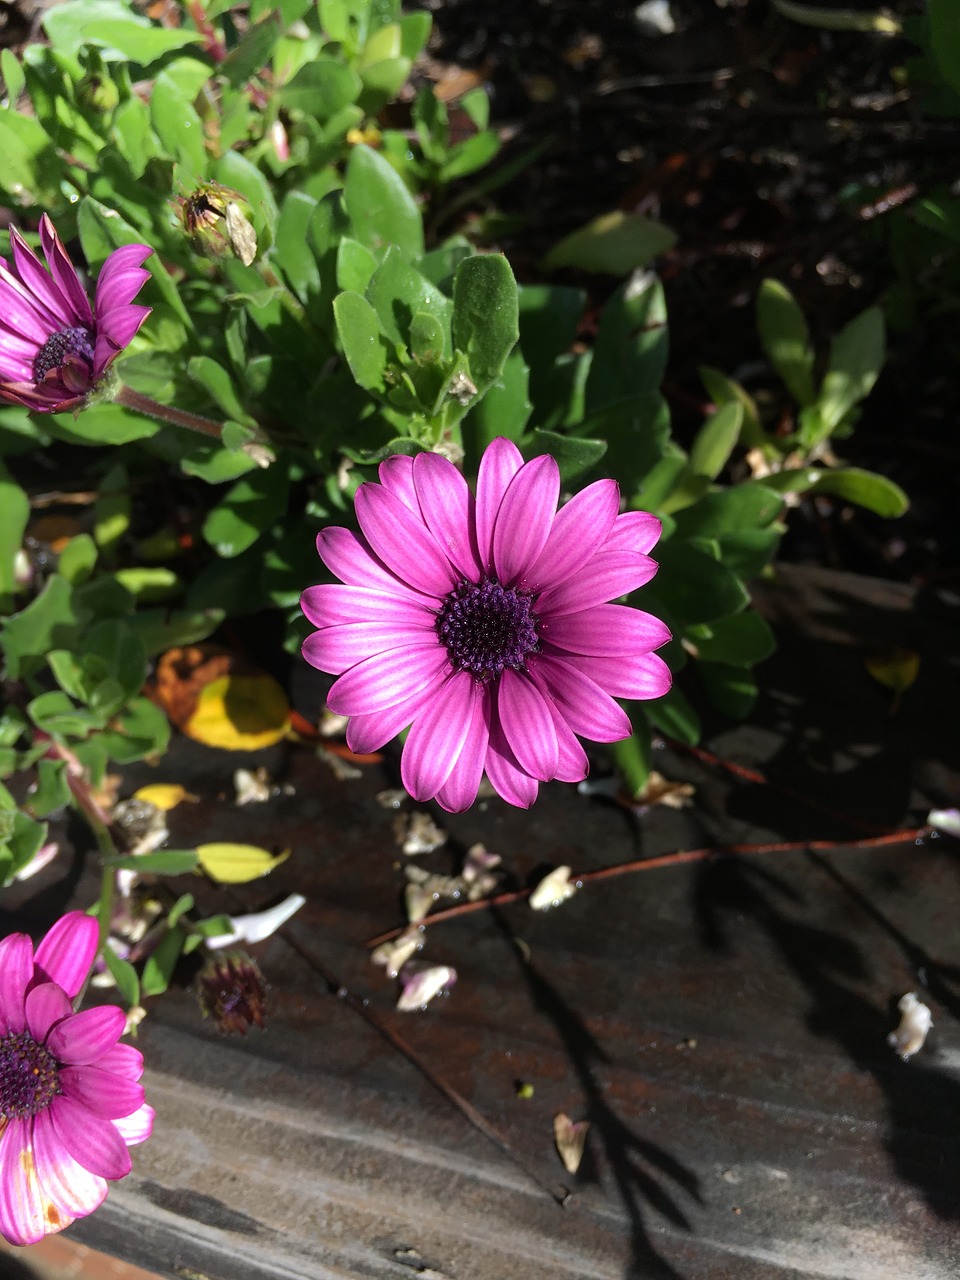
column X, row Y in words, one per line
column 232, row 991
column 55, row 348
column 70, row 1101
column 483, row 624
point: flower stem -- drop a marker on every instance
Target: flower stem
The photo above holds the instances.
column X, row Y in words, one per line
column 131, row 399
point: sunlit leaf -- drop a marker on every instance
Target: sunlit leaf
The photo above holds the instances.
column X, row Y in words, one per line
column 237, row 863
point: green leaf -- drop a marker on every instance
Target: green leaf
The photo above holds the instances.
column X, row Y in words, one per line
column 785, row 338
column 247, row 511
column 864, row 488
column 693, row 586
column 856, row 357
column 636, row 430
column 632, row 755
column 159, row 629
column 218, row 384
column 29, row 167
column 161, row 862
column 396, row 290
column 944, row 19
column 739, row 641
column 252, row 53
column 731, row 689
column 13, row 78
column 379, row 205
column 616, row 243
column 51, row 791
column 159, row 968
column 355, row 265
column 469, row 156
column 321, row 89
column 747, row 551
column 102, row 424
column 178, row 126
column 180, row 908
column 363, row 340
column 426, row 337
column 729, row 511
column 673, row 715
column 48, row 622
column 293, row 250
column 503, row 411
column 141, row 730
column 574, row 455
column 24, row 841
column 55, row 713
column 485, row 315
column 14, row 513
column 124, row 975
column 549, row 318
column 216, row 464
column 723, row 391
column 114, row 27
column 715, row 441
column 630, row 352
column 234, row 170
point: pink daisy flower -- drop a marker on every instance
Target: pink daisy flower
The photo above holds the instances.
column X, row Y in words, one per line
column 484, row 623
column 70, row 1101
column 55, row 348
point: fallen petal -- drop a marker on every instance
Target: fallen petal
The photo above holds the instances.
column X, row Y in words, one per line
column 915, row 1022
column 570, row 1137
column 553, row 889
column 421, row 982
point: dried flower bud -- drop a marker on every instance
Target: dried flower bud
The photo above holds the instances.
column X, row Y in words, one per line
column 216, row 223
column 232, row 991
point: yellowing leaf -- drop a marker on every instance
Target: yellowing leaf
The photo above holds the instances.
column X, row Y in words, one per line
column 896, row 670
column 164, row 795
column 237, row 863
column 240, row 713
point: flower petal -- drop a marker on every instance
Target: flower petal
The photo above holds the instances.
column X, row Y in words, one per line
column 26, row 1214
column 22, row 312
column 92, row 1141
column 396, row 474
column 45, row 1005
column 136, row 1128
column 123, row 1060
column 402, row 540
column 609, row 631
column 119, row 291
column 578, row 531
column 350, row 557
column 527, row 723
column 336, row 649
column 102, row 1092
column 508, row 779
column 65, row 273
column 607, row 576
column 74, row 1190
column 42, row 286
column 500, row 463
column 66, row 953
column 572, row 762
column 86, row 1037
column 370, row 732
column 436, row 737
column 16, row 970
column 583, row 704
column 449, row 511
column 634, row 531
column 386, row 679
column 525, row 518
column 331, row 604
column 647, row 676
column 460, row 789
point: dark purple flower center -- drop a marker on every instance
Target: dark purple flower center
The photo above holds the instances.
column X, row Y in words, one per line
column 29, row 1076
column 487, row 628
column 75, row 341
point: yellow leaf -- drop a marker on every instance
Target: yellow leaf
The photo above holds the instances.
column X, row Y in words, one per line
column 240, row 713
column 237, row 863
column 164, row 795
column 896, row 670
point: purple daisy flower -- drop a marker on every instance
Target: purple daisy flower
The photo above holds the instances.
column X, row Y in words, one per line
column 70, row 1101
column 484, row 624
column 55, row 348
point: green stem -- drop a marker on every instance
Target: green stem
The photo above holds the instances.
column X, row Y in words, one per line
column 839, row 19
column 131, row 399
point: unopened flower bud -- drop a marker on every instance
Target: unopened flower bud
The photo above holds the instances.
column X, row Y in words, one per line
column 232, row 991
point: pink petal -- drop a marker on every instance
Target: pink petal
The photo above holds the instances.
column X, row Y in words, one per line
column 92, row 1141
column 40, row 283
column 500, row 463
column 396, row 474
column 332, row 604
column 647, row 676
column 65, row 273
column 386, row 679
column 460, row 789
column 402, row 541
column 634, row 531
column 508, row 779
column 119, row 291
column 128, row 255
column 16, row 970
column 350, row 558
column 336, row 649
column 607, row 576
column 572, row 762
column 25, row 1212
column 527, row 723
column 436, row 737
column 66, row 953
column 86, row 1037
column 73, row 1189
column 114, row 332
column 45, row 1005
column 449, row 511
column 582, row 703
column 525, row 517
column 136, row 1128
column 101, row 1092
column 578, row 530
column 23, row 313
column 370, row 732
column 123, row 1060
column 609, row 631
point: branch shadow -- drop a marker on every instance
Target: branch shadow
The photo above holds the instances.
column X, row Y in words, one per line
column 639, row 1167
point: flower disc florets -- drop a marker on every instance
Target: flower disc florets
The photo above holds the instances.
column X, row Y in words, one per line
column 482, row 623
column 487, row 628
column 29, row 1076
